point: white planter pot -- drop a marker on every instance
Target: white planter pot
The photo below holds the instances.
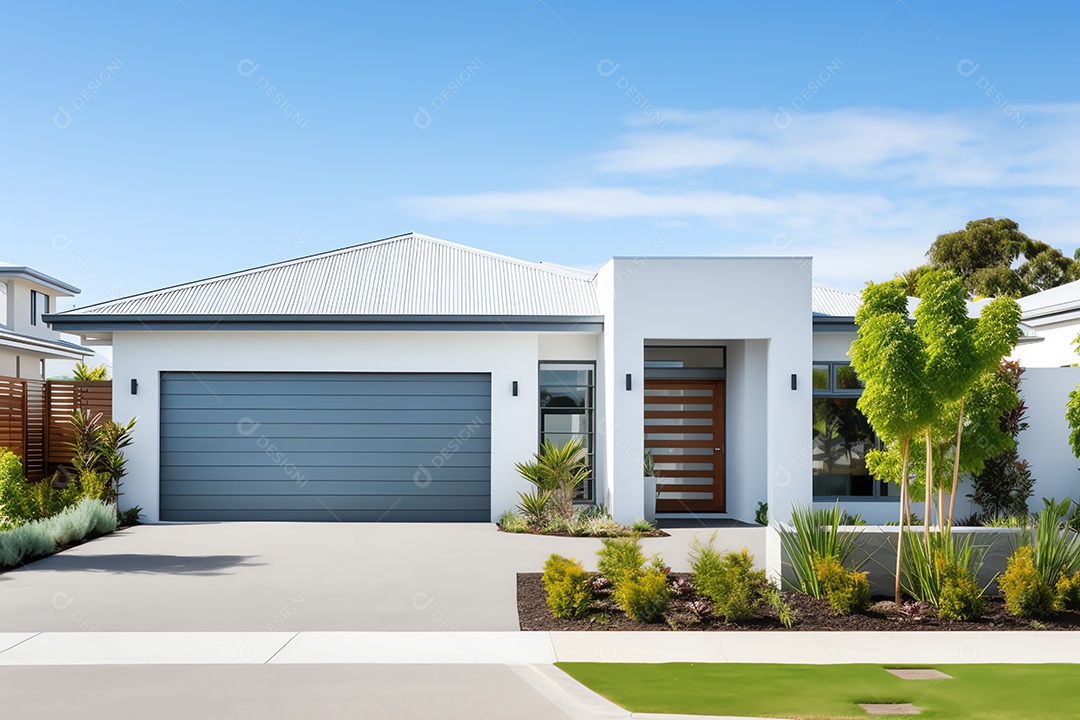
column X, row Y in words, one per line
column 650, row 498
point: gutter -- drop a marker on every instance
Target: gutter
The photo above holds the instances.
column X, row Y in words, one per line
column 81, row 323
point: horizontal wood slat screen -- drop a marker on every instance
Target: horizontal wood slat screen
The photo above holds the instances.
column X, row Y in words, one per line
column 35, row 419
column 13, row 415
column 63, row 398
column 684, row 431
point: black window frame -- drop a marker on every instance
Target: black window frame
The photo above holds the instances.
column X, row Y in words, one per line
column 833, row 391
column 34, row 314
column 588, row 492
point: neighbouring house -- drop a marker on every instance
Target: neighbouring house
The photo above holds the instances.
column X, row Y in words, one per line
column 26, row 340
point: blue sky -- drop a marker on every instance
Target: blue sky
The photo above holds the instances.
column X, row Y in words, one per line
column 146, row 144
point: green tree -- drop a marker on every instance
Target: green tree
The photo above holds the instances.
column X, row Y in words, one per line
column 986, row 243
column 890, row 359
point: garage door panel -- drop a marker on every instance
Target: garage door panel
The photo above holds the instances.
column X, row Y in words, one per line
column 269, row 473
column 332, row 502
column 296, row 445
column 247, row 403
column 280, row 382
column 224, row 416
column 324, row 488
column 302, row 460
column 199, row 388
column 266, row 446
column 173, row 430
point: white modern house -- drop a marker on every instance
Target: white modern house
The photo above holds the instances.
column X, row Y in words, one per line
column 26, row 340
column 402, row 379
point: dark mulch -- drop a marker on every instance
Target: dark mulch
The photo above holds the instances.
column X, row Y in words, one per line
column 813, row 615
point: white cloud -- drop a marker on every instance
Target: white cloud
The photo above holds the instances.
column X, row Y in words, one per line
column 614, row 202
column 863, row 190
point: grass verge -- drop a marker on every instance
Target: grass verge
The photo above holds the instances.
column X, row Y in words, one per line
column 986, row 692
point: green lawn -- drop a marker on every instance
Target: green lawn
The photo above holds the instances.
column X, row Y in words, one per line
column 985, row 692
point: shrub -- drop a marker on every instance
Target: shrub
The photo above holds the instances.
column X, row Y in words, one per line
column 24, row 541
column 1067, row 592
column 41, row 537
column 620, row 558
column 813, row 535
column 596, row 526
column 644, row 595
column 642, row 526
column 761, row 515
column 23, row 501
column 129, row 516
column 729, row 581
column 568, row 586
column 1027, row 595
column 847, row 591
column 512, row 522
column 961, row 597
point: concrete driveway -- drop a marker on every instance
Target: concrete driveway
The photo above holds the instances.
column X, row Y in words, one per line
column 300, row 576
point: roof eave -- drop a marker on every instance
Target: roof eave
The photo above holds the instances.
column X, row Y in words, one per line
column 27, row 273
column 83, row 323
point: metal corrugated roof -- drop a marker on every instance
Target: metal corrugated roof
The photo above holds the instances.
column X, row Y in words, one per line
column 834, row 303
column 406, row 275
column 1060, row 299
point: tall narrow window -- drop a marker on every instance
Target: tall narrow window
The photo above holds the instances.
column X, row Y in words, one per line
column 3, row 304
column 567, row 408
column 39, row 305
column 842, row 437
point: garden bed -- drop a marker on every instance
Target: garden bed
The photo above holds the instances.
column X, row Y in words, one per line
column 813, row 615
column 620, row 531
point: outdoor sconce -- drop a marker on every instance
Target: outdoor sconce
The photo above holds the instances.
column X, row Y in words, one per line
column 134, row 386
column 794, row 381
column 513, row 388
column 629, row 383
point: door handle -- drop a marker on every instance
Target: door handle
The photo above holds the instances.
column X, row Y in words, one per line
column 719, row 449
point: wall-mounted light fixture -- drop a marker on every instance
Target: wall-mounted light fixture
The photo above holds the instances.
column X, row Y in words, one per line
column 513, row 388
column 629, row 381
column 134, row 386
column 794, row 381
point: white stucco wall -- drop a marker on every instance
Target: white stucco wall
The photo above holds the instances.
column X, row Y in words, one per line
column 762, row 301
column 1045, row 443
column 832, row 346
column 1056, row 348
column 508, row 356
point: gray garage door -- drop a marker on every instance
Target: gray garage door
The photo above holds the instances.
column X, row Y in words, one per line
column 326, row 446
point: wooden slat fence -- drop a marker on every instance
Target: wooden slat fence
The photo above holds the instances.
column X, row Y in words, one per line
column 35, row 419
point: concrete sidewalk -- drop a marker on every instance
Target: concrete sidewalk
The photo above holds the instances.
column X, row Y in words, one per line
column 255, row 577
column 534, row 648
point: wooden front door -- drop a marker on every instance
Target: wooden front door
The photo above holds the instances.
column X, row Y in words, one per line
column 684, row 431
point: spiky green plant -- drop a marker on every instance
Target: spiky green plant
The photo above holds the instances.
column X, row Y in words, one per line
column 928, row 571
column 814, row 534
column 559, row 471
column 1055, row 549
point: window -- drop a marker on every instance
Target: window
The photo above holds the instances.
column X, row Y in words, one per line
column 39, row 305
column 3, row 304
column 567, row 408
column 841, row 436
